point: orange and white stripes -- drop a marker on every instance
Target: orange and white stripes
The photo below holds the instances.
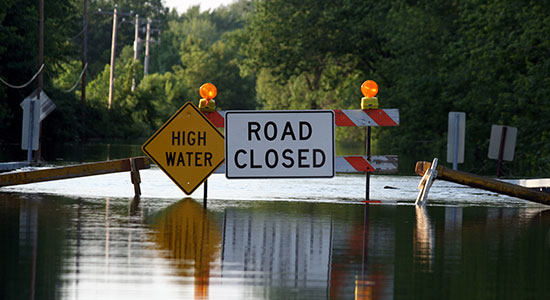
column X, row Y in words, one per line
column 379, row 164
column 342, row 117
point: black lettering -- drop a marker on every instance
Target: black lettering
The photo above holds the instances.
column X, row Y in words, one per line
column 288, row 131
column 176, row 138
column 170, row 158
column 240, row 166
column 271, row 166
column 202, row 138
column 303, row 135
column 301, row 158
column 189, row 155
column 323, row 156
column 253, row 127
column 207, row 159
column 191, row 141
column 198, row 159
column 252, row 165
column 266, row 131
column 288, row 158
column 181, row 161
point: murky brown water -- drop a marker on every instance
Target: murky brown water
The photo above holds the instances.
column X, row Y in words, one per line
column 60, row 247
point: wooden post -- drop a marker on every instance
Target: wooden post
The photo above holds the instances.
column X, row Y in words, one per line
column 147, row 41
column 484, row 183
column 112, row 67
column 84, row 56
column 136, row 179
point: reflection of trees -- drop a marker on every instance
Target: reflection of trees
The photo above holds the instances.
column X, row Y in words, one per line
column 192, row 239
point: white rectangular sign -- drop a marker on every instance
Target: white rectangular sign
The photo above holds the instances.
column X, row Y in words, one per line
column 31, row 124
column 509, row 142
column 456, row 135
column 279, row 144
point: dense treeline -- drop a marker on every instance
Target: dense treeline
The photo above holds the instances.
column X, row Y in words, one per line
column 489, row 59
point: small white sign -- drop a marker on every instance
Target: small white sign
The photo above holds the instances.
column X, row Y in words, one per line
column 509, row 142
column 279, row 144
column 31, row 124
column 456, row 135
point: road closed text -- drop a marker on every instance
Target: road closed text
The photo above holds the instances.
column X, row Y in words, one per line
column 275, row 144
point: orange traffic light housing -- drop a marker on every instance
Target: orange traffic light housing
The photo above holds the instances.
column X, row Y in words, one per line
column 369, row 89
column 208, row 92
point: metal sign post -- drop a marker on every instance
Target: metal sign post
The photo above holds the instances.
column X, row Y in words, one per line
column 367, row 176
column 456, row 136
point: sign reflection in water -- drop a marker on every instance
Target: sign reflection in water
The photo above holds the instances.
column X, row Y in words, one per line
column 192, row 239
column 70, row 248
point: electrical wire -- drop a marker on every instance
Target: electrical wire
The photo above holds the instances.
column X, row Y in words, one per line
column 23, row 85
column 79, row 78
column 80, row 33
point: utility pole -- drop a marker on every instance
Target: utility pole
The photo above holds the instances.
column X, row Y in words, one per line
column 37, row 154
column 40, row 44
column 113, row 47
column 84, row 55
column 136, row 49
column 113, row 51
column 147, row 42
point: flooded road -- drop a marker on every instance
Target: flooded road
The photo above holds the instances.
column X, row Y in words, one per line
column 278, row 239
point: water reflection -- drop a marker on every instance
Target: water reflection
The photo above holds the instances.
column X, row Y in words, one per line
column 28, row 237
column 192, row 239
column 364, row 286
column 423, row 238
column 61, row 248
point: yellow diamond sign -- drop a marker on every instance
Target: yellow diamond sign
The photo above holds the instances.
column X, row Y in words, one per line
column 188, row 148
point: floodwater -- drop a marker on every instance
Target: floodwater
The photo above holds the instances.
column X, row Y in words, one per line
column 88, row 238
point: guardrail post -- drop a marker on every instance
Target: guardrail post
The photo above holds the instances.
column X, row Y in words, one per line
column 135, row 178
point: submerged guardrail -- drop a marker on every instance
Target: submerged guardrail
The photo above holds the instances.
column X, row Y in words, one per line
column 132, row 165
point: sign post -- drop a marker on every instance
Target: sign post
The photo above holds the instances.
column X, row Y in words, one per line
column 456, row 136
column 279, row 144
column 502, row 144
column 34, row 111
column 188, row 148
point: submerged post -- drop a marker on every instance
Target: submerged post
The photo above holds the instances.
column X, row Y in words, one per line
column 135, row 177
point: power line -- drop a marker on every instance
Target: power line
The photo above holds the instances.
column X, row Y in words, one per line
column 77, row 81
column 23, row 85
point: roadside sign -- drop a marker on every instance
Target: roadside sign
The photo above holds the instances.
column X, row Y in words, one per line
column 40, row 108
column 31, row 124
column 279, row 144
column 46, row 104
column 509, row 142
column 188, row 148
column 456, row 136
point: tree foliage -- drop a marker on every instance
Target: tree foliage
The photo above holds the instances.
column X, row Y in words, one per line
column 488, row 58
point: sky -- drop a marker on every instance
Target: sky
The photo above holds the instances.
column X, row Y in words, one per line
column 183, row 5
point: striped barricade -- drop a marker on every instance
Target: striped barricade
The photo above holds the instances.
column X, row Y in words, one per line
column 342, row 117
column 379, row 164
